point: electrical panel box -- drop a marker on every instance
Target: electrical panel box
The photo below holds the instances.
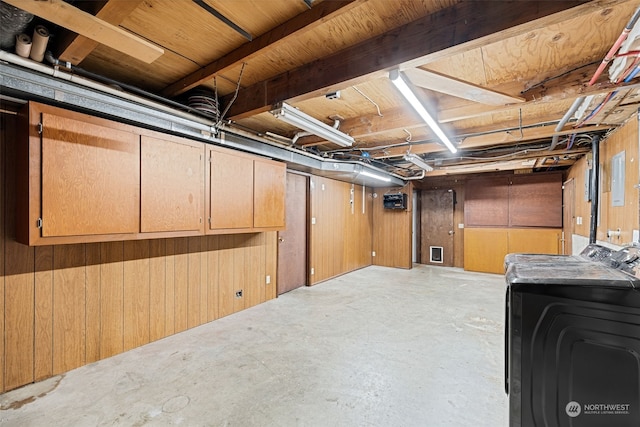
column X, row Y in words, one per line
column 395, row 201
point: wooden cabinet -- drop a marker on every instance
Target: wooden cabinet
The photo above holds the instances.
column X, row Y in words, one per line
column 78, row 178
column 172, row 185
column 231, row 190
column 86, row 179
column 246, row 193
column 269, row 190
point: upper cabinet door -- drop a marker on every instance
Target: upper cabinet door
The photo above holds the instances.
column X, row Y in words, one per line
column 231, row 190
column 172, row 194
column 269, row 194
column 90, row 178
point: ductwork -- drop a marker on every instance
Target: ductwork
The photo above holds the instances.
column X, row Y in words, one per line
column 29, row 80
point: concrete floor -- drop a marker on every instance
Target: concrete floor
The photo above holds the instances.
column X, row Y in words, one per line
column 376, row 347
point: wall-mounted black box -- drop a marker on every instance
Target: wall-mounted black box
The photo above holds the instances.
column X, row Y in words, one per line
column 395, row 201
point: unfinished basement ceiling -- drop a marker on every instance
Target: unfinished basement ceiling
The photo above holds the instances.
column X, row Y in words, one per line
column 498, row 75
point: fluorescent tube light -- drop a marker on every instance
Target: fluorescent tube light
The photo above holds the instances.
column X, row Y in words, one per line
column 417, row 160
column 398, row 80
column 375, row 176
column 304, row 121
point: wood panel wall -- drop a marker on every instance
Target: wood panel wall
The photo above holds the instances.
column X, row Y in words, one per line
column 611, row 217
column 392, row 232
column 340, row 238
column 65, row 306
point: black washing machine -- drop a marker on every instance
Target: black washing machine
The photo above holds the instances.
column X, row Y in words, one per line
column 572, row 341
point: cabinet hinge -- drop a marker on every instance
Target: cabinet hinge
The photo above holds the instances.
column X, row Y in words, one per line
column 40, row 128
column 39, row 223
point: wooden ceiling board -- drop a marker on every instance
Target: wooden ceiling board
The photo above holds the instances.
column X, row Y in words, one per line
column 128, row 70
column 571, row 43
column 263, row 15
column 185, row 28
column 360, row 23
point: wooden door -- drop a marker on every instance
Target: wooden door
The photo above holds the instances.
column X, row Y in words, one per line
column 568, row 215
column 436, row 223
column 292, row 241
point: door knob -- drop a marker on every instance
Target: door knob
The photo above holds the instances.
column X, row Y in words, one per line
column 451, row 232
column 280, row 239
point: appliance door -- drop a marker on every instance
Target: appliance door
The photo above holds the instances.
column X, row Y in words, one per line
column 574, row 356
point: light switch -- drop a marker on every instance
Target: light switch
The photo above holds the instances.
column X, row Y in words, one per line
column 268, row 280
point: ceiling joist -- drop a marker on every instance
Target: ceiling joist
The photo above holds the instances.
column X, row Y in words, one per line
column 458, row 88
column 449, row 31
column 74, row 48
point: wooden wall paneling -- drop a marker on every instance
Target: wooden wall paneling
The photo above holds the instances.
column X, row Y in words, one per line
column 69, row 307
column 18, row 312
column 213, row 297
column 204, row 281
column 487, row 202
column 269, row 189
column 536, row 200
column 136, row 293
column 254, row 290
column 194, row 288
column 535, row 240
column 270, row 259
column 92, row 315
column 157, row 288
column 111, row 299
column 231, row 206
column 43, row 334
column 484, row 249
column 172, row 184
column 90, row 178
column 170, row 288
column 6, row 121
column 623, row 217
column 181, row 284
column 226, row 288
column 240, row 271
column 18, row 268
column 582, row 207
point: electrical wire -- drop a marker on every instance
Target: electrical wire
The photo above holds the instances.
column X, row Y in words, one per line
column 369, row 99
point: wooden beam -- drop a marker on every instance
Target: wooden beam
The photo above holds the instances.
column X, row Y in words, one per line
column 498, row 138
column 74, row 48
column 459, row 88
column 466, row 25
column 83, row 23
column 296, row 26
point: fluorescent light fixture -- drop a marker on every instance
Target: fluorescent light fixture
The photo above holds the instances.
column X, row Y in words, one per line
column 304, row 121
column 375, row 176
column 399, row 81
column 417, row 160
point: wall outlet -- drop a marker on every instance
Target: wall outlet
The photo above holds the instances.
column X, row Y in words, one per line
column 579, row 220
column 373, row 253
column 268, row 280
column 460, row 225
column 312, row 271
column 313, row 220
